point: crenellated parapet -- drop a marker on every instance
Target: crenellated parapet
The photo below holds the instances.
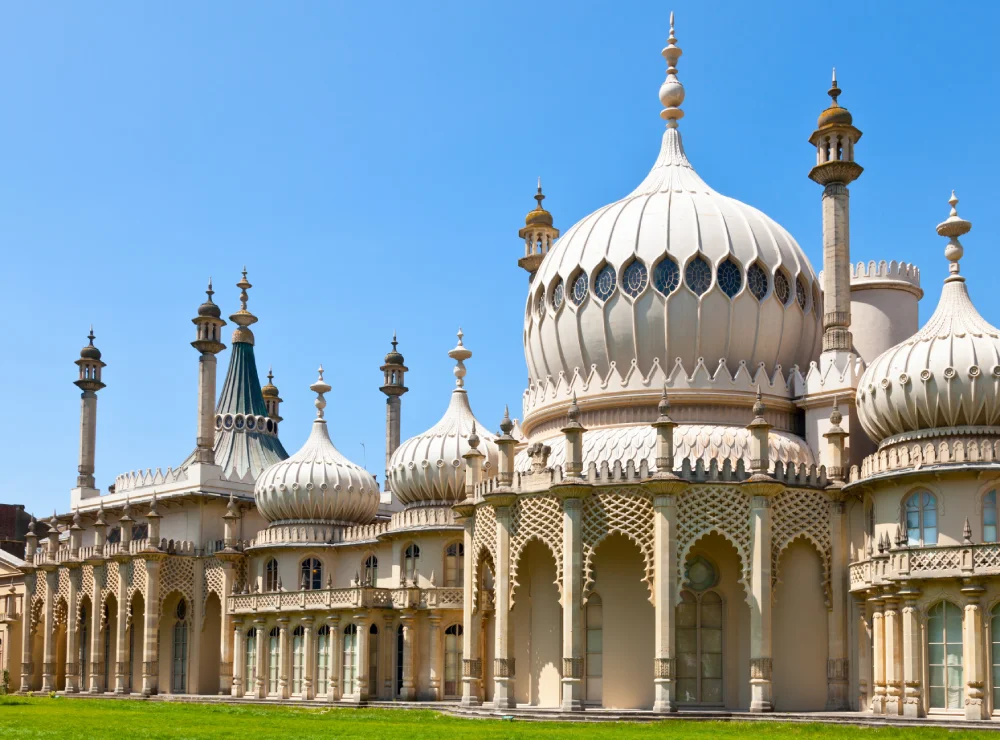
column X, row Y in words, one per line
column 893, row 274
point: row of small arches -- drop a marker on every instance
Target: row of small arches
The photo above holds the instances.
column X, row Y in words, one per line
column 666, row 278
column 251, row 423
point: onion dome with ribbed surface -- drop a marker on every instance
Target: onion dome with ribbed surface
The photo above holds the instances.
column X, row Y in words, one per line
column 430, row 468
column 946, row 377
column 317, row 483
column 90, row 352
column 209, row 308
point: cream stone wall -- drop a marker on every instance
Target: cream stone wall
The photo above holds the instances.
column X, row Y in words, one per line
column 536, row 620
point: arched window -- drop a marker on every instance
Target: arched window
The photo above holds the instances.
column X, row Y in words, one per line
column 921, row 519
column 373, row 661
column 250, row 661
column 990, row 519
column 273, row 660
column 594, row 663
column 944, row 656
column 800, row 293
column 271, row 575
column 452, row 660
column 312, row 575
column 350, row 659
column 178, row 671
column 410, row 557
column 83, row 645
column 699, row 636
column 870, row 525
column 757, row 280
column 730, row 278
column 580, row 287
column 322, row 651
column 666, row 276
column 781, row 288
column 558, row 294
column 371, row 570
column 634, row 278
column 399, row 659
column 454, row 564
column 298, row 658
column 698, row 275
column 604, row 283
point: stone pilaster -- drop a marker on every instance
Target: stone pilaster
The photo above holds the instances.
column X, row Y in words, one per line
column 760, row 603
column 572, row 493
column 665, row 493
column 26, row 629
column 837, row 674
column 409, row 690
column 97, row 683
column 239, row 659
column 308, row 659
column 260, row 689
column 974, row 653
column 227, row 648
column 360, row 691
column 151, row 633
column 436, row 657
column 864, row 645
column 121, row 638
column 284, row 657
column 333, row 658
column 73, row 669
column 503, row 662
column 48, row 637
column 893, row 656
column 913, row 705
column 879, row 693
column 472, row 664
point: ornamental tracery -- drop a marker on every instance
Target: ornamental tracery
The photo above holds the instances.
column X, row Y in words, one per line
column 723, row 510
column 618, row 511
column 177, row 575
column 666, row 276
column 535, row 518
column 801, row 513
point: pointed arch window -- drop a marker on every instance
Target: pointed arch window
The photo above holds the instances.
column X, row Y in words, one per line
column 312, row 575
column 634, row 278
column 371, row 571
column 273, row 660
column 373, row 661
column 698, row 275
column 757, row 281
column 410, row 557
column 666, row 276
column 730, row 277
column 298, row 658
column 452, row 660
column 322, row 652
column 558, row 294
column 800, row 293
column 944, row 656
column 250, row 661
column 454, row 564
column 604, row 283
column 594, row 660
column 990, row 520
column 699, row 648
column 921, row 519
column 781, row 287
column 178, row 671
column 580, row 288
column 271, row 575
column 350, row 659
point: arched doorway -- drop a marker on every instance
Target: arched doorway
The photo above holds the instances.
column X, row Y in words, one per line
column 799, row 630
column 399, row 660
column 179, row 649
column 536, row 629
column 626, row 640
column 109, row 641
column 373, row 661
column 135, row 641
column 453, row 661
column 210, row 647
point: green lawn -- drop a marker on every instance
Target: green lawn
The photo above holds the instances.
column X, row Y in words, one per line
column 23, row 717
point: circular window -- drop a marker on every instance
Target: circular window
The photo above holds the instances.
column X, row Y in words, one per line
column 634, row 278
column 218, row 421
column 251, row 422
column 261, row 421
column 181, row 609
column 700, row 574
column 757, row 280
column 580, row 288
column 227, row 422
column 666, row 276
column 730, row 278
column 270, row 425
column 800, row 293
column 557, row 295
column 781, row 288
column 698, row 275
column 239, row 421
column 604, row 283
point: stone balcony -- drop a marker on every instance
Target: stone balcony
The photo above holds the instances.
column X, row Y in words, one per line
column 357, row 597
column 948, row 561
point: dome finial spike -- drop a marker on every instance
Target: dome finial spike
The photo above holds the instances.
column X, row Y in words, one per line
column 91, row 336
column 672, row 91
column 834, row 91
column 953, row 227
column 460, row 354
column 320, row 387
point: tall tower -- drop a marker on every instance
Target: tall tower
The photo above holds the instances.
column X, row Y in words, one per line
column 208, row 341
column 393, row 372
column 89, row 382
column 834, row 139
column 538, row 234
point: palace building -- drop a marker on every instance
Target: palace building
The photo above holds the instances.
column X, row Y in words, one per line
column 734, row 483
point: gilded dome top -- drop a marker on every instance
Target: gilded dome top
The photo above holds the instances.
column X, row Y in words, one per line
column 270, row 390
column 90, row 352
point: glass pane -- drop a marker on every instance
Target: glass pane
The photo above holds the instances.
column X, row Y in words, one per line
column 686, row 641
column 954, row 698
column 953, row 623
column 595, row 616
column 912, row 518
column 687, row 665
column 930, row 518
column 913, row 537
column 686, row 616
column 711, row 665
column 935, row 654
column 595, row 641
column 990, row 532
column 954, row 657
column 930, row 536
column 711, row 616
column 595, row 665
column 711, row 641
column 687, row 691
column 594, row 687
column 937, row 697
column 936, row 675
column 711, row 690
column 935, row 625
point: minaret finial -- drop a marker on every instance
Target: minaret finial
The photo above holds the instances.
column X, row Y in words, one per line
column 834, row 91
column 394, row 342
column 672, row 91
column 460, row 354
column 953, row 227
column 270, row 373
column 319, row 388
column 243, row 318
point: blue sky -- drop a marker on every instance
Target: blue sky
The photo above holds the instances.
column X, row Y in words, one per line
column 372, row 163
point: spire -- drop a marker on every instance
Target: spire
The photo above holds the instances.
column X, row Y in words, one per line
column 320, row 387
column 672, row 91
column 243, row 318
column 460, row 354
column 954, row 227
column 834, row 91
column 538, row 233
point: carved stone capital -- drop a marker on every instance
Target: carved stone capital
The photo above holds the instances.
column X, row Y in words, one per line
column 472, row 668
column 837, row 669
column 760, row 669
column 572, row 667
column 664, row 667
column 503, row 667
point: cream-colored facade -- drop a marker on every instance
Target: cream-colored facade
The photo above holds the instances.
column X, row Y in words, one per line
column 735, row 484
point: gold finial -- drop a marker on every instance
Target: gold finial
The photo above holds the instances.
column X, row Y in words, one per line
column 953, row 227
column 671, row 91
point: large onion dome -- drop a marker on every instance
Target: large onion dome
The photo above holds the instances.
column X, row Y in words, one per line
column 429, row 468
column 674, row 270
column 317, row 483
column 946, row 377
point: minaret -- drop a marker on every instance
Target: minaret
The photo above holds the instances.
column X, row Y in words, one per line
column 538, row 234
column 89, row 382
column 834, row 139
column 208, row 340
column 271, row 399
column 393, row 371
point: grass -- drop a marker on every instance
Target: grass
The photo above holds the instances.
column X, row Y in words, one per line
column 25, row 717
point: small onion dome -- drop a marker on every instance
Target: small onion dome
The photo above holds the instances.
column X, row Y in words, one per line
column 835, row 115
column 944, row 376
column 393, row 357
column 208, row 308
column 317, row 483
column 90, row 352
column 538, row 216
column 270, row 390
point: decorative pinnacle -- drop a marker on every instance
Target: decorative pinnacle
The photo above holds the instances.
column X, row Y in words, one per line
column 244, row 285
column 954, row 227
column 91, row 337
column 835, row 416
column 460, row 354
column 209, row 291
column 671, row 91
column 270, row 373
column 243, row 318
column 664, row 405
column 506, row 425
column 319, row 388
column 473, row 437
column 834, row 91
column 574, row 410
column 394, row 342
column 758, row 405
column 539, row 196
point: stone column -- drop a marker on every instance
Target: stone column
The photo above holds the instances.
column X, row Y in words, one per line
column 283, row 657
column 49, row 637
column 239, row 659
column 837, row 671
column 308, row 669
column 472, row 664
column 409, row 692
column 97, row 684
column 121, row 638
column 503, row 662
column 151, row 634
column 760, row 605
column 73, row 669
column 864, row 645
column 893, row 656
column 837, row 270
column 388, row 657
column 572, row 611
column 262, row 649
column 361, row 674
column 665, row 590
column 913, row 705
column 30, row 577
column 974, row 653
column 333, row 657
column 436, row 657
column 879, row 693
column 227, row 659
